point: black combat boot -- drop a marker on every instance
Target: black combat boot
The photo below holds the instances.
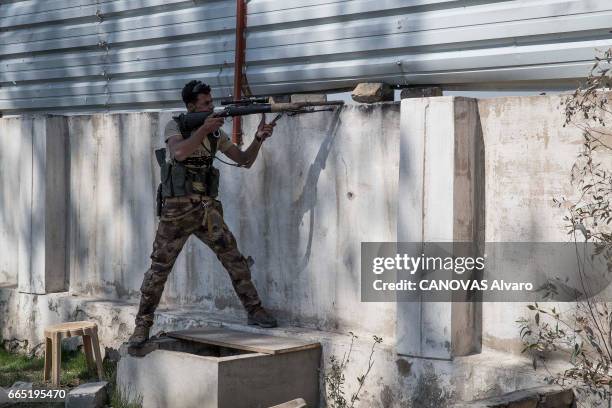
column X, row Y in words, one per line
column 140, row 336
column 262, row 318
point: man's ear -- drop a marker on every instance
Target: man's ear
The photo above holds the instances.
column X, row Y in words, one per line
column 190, row 107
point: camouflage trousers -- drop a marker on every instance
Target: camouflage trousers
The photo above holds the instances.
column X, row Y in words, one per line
column 181, row 217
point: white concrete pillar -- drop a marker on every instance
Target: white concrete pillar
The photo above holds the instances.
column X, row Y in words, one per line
column 440, row 200
column 42, row 262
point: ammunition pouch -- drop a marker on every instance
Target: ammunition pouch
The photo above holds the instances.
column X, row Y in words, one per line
column 177, row 180
column 180, row 183
column 212, row 181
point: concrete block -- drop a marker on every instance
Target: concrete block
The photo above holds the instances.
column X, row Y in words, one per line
column 296, row 403
column 557, row 398
column 42, row 251
column 441, row 158
column 4, row 399
column 217, row 377
column 308, row 98
column 421, row 92
column 367, row 92
column 89, row 395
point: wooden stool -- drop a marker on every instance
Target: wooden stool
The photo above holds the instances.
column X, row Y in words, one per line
column 53, row 347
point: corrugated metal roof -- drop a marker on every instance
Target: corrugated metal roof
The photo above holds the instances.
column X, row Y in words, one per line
column 84, row 55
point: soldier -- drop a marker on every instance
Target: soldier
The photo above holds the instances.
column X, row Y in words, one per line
column 190, row 207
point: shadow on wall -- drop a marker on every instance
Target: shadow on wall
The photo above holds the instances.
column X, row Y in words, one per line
column 307, row 200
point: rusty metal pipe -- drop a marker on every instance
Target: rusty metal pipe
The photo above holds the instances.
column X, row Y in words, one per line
column 239, row 65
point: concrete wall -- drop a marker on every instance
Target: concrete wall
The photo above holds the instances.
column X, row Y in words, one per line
column 529, row 155
column 322, row 185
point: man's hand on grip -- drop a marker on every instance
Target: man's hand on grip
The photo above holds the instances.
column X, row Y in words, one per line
column 264, row 130
column 212, row 124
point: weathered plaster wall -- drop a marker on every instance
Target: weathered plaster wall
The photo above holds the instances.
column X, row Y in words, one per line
column 529, row 156
column 323, row 184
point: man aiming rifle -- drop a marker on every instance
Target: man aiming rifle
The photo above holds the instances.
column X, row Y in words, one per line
column 186, row 197
column 188, row 191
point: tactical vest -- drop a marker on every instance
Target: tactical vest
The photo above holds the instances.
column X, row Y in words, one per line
column 177, row 179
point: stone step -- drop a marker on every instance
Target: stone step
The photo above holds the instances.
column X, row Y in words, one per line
column 551, row 396
column 89, row 395
column 396, row 378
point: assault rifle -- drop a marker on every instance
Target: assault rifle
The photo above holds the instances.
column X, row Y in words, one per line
column 190, row 121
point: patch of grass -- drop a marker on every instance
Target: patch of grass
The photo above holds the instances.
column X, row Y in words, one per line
column 74, row 371
column 10, row 362
column 16, row 367
column 121, row 398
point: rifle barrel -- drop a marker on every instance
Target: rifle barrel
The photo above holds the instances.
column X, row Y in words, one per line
column 191, row 121
column 244, row 110
column 292, row 106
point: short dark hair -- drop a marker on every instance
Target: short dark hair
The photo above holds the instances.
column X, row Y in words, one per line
column 188, row 94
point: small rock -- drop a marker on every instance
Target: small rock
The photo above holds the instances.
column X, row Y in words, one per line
column 22, row 385
column 4, row 399
column 112, row 354
column 562, row 398
column 15, row 346
column 367, row 92
column 421, row 92
column 296, row 403
column 90, row 395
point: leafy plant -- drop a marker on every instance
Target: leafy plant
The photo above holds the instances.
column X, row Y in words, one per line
column 583, row 333
column 335, row 378
column 591, row 214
